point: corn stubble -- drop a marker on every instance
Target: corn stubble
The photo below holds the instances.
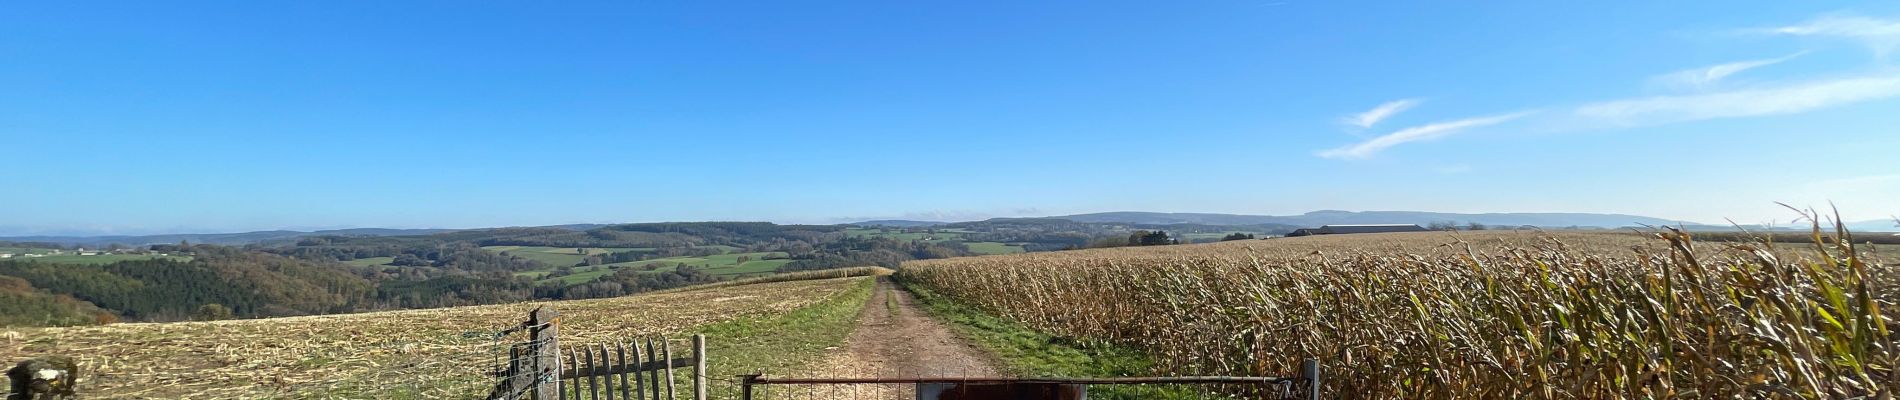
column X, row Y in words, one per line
column 1473, row 315
column 442, row 353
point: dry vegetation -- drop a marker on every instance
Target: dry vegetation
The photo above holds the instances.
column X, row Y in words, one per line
column 439, row 353
column 1471, row 315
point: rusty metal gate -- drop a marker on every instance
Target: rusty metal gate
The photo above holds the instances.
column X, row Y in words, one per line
column 1306, row 386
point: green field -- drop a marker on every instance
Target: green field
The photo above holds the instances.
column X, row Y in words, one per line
column 947, row 235
column 559, row 256
column 24, row 250
column 988, row 248
column 97, row 259
column 372, row 261
column 580, row 275
column 722, row 265
column 942, row 234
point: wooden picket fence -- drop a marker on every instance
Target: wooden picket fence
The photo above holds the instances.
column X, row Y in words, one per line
column 540, row 368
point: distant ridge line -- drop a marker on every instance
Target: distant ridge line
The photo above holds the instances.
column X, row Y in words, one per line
column 1311, row 219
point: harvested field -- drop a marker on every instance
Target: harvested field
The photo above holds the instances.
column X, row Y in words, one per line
column 437, row 353
column 1469, row 315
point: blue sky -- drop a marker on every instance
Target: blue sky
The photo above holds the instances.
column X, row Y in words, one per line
column 224, row 116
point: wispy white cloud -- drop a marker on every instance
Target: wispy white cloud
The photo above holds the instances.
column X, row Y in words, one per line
column 1711, row 98
column 1380, row 113
column 1417, row 133
column 1705, row 77
column 1784, row 99
column 1883, row 35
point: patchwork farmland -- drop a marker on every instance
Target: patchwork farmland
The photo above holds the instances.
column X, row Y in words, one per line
column 568, row 259
column 937, row 235
column 76, row 257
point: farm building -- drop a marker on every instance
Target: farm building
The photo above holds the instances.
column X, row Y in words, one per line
column 1350, row 229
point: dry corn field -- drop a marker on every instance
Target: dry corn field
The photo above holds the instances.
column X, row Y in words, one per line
column 437, row 353
column 1557, row 315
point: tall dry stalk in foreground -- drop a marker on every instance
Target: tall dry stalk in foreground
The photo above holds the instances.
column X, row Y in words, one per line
column 1490, row 315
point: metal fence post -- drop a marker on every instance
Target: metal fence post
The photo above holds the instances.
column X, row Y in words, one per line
column 699, row 367
column 745, row 386
column 546, row 324
column 1309, row 370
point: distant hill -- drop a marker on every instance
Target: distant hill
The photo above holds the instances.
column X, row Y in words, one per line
column 579, row 227
column 1139, row 217
column 1326, row 217
column 1311, row 219
column 898, row 223
column 227, row 239
column 1879, row 225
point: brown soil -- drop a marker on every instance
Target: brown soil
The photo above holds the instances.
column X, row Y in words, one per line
column 897, row 338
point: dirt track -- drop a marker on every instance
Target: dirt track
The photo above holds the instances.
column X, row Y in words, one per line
column 897, row 338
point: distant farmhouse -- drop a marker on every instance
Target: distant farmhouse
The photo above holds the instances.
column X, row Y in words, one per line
column 1350, row 229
